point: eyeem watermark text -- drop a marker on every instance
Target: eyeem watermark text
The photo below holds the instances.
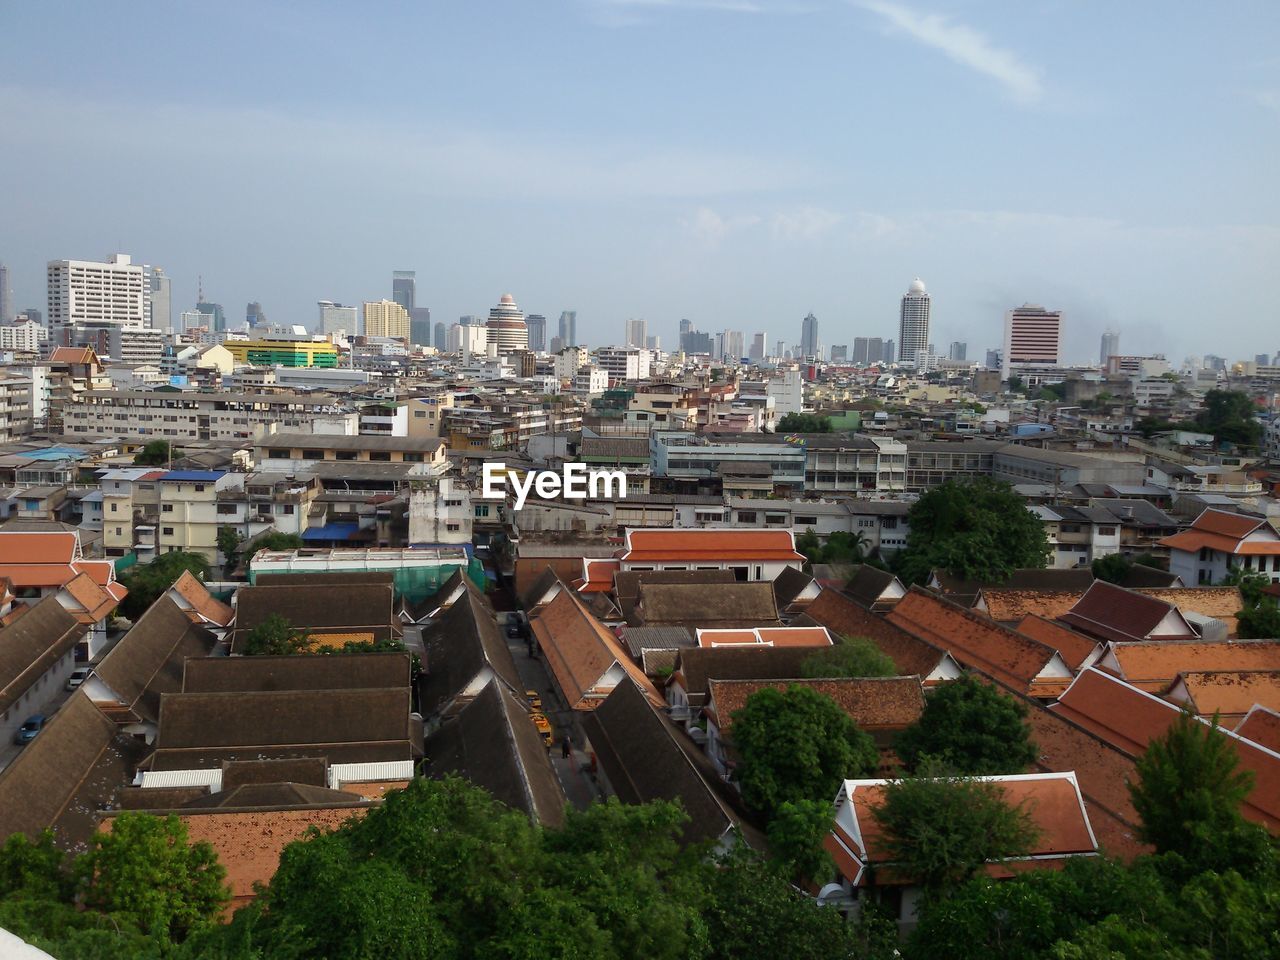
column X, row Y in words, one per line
column 575, row 482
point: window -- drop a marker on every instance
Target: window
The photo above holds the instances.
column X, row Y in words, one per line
column 806, row 521
column 167, row 508
column 482, row 510
column 312, row 454
column 379, row 456
column 453, row 527
column 227, row 509
column 199, row 488
column 167, row 531
column 413, row 458
column 889, row 523
column 287, row 509
column 775, row 518
column 114, row 506
column 278, row 453
column 746, row 516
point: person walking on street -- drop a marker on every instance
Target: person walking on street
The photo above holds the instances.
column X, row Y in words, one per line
column 566, row 748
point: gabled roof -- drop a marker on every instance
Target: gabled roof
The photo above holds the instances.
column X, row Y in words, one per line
column 696, row 667
column 873, row 587
column 598, row 574
column 33, row 643
column 661, row 545
column 198, row 603
column 493, row 743
column 1009, row 604
column 55, row 547
column 791, row 586
column 699, row 604
column 645, row 757
column 538, row 592
column 845, row 618
column 1109, row 612
column 1228, row 694
column 792, row 636
column 1231, row 533
column 1262, row 726
column 1221, row 603
column 76, row 766
column 582, row 654
column 459, row 647
column 73, row 355
column 149, row 660
column 1077, row 650
column 356, row 608
column 92, row 602
column 873, row 703
column 355, row 671
column 982, row 644
column 1052, row 801
column 1153, row 665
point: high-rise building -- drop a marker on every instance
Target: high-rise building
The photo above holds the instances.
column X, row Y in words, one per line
column 536, row 324
column 810, row 346
column 420, row 326
column 336, row 318
column 506, row 326
column 569, row 328
column 441, row 337
column 84, row 291
column 386, row 318
column 993, row 360
column 686, row 326
column 6, row 296
column 653, row 343
column 404, row 288
column 161, row 300
column 868, row 351
column 840, row 353
column 889, row 352
column 757, row 346
column 958, row 350
column 216, row 319
column 913, row 323
column 254, row 317
column 1032, row 338
column 694, row 341
column 1110, row 347
column 635, row 333
column 732, row 344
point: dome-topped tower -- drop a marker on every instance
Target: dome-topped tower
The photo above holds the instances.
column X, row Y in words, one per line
column 917, row 286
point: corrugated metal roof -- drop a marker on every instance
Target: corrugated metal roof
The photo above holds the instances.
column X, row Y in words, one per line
column 340, row 773
column 183, row 778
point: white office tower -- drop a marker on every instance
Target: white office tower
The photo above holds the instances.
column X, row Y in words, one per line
column 337, row 318
column 1032, row 340
column 635, row 333
column 913, row 323
column 1110, row 348
column 83, row 291
column 506, row 326
column 161, row 304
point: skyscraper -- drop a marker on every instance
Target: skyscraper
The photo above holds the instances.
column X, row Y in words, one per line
column 757, row 346
column 634, row 333
column 569, row 328
column 253, row 315
column 913, row 323
column 868, row 351
column 1032, row 338
column 889, row 352
column 839, row 353
column 6, row 296
column 404, row 288
column 442, row 337
column 84, row 291
column 809, row 344
column 506, row 326
column 161, row 300
column 958, row 350
column 386, row 318
column 537, row 326
column 335, row 318
column 1110, row 347
column 420, row 326
column 686, row 326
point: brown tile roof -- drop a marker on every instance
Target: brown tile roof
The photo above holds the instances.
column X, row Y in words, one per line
column 869, row 583
column 980, row 643
column 787, row 586
column 710, row 544
column 1226, row 524
column 1130, row 718
column 270, row 795
column 462, row 644
column 1109, row 612
column 201, row 603
column 845, row 618
column 384, row 577
column 310, row 770
column 355, row 671
column 873, row 703
column 646, row 757
column 530, row 567
column 1227, row 693
column 76, row 765
column 95, row 601
column 493, row 743
column 699, row 604
column 1009, row 605
column 1221, row 603
column 1076, row 648
column 626, row 583
column 202, row 730
column 1262, row 726
column 1153, row 665
column 74, row 355
column 357, row 608
column 696, row 667
column 149, row 660
column 583, row 655
column 32, row 644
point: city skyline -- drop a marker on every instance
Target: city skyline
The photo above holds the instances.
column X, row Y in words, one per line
column 655, row 208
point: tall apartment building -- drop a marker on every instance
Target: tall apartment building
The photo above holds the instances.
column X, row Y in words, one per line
column 757, row 346
column 624, row 363
column 386, row 318
column 337, row 318
column 420, row 326
column 441, row 338
column 733, row 344
column 568, row 328
column 635, row 334
column 1110, row 347
column 810, row 346
column 913, row 322
column 26, row 336
column 255, row 316
column 536, row 324
column 404, row 288
column 1032, row 339
column 506, row 326
column 161, row 317
column 958, row 350
column 6, row 296
column 867, row 351
column 82, row 291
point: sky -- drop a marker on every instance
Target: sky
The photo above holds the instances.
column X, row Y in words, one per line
column 736, row 162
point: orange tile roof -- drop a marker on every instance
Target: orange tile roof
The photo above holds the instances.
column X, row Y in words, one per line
column 199, row 603
column 1109, row 612
column 646, row 546
column 1221, row 603
column 1010, row 605
column 1228, row 693
column 1262, row 726
column 873, row 703
column 1193, row 541
column 1153, row 664
column 598, row 575
column 23, row 575
column 1076, row 648
column 73, row 355
column 95, row 601
column 846, row 618
column 977, row 641
column 774, row 636
column 29, row 549
column 1227, row 524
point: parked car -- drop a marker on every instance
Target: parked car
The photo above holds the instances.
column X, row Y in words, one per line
column 534, row 698
column 514, row 632
column 30, row 727
column 78, row 676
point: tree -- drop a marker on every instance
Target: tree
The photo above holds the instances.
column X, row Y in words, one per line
column 146, row 582
column 795, row 838
column 977, row 529
column 851, row 657
column 1189, row 790
column 32, row 870
column 796, row 745
column 157, row 453
column 146, row 870
column 1230, row 415
column 940, row 829
column 1260, row 622
column 1252, row 583
column 228, row 542
column 804, row 423
column 809, row 544
column 841, row 547
column 275, row 540
column 1113, row 568
column 276, row 636
column 972, row 727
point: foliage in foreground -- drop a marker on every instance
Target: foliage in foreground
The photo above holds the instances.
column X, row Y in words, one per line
column 850, row 657
column 147, row 581
column 972, row 727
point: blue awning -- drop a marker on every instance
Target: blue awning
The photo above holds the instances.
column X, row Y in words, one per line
column 332, row 531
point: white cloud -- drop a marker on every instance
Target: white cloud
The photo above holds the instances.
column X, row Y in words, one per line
column 805, row 223
column 964, row 45
column 709, row 228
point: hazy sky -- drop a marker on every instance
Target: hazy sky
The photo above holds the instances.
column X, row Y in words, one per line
column 737, row 162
